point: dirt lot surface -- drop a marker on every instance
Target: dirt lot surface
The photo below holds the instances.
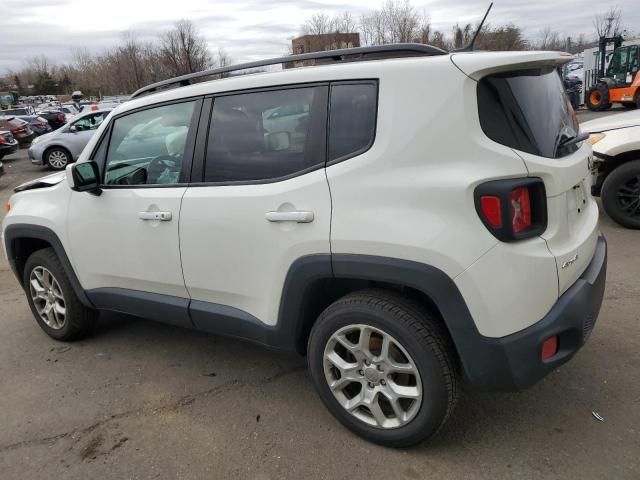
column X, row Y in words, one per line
column 142, row 400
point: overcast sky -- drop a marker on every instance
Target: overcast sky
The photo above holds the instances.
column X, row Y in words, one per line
column 252, row 29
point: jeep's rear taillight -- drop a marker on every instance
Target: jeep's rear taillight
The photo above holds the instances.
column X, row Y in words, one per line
column 512, row 209
column 520, row 209
column 60, row 117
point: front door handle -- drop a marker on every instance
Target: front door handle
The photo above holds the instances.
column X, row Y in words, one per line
column 160, row 216
column 299, row 217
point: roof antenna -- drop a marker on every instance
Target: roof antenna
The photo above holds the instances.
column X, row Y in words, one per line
column 469, row 48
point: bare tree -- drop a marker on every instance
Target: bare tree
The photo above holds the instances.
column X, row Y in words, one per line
column 183, row 50
column 502, row 38
column 344, row 23
column 608, row 24
column 131, row 51
column 397, row 21
column 550, row 40
column 402, row 20
column 317, row 24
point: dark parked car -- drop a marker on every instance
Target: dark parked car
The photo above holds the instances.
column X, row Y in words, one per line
column 56, row 118
column 19, row 128
column 19, row 110
column 8, row 144
column 38, row 124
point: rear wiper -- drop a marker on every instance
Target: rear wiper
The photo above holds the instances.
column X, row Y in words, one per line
column 573, row 140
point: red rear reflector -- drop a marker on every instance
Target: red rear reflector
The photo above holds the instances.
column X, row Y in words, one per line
column 491, row 209
column 60, row 117
column 549, row 347
column 520, row 207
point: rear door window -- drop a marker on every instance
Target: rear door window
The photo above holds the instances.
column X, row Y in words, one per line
column 352, row 122
column 267, row 135
column 528, row 111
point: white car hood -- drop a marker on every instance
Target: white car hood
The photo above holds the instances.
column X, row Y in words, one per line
column 612, row 122
column 48, row 181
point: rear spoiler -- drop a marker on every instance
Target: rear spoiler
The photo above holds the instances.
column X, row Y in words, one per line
column 480, row 64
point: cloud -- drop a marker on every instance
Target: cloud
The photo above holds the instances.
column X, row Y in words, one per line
column 251, row 29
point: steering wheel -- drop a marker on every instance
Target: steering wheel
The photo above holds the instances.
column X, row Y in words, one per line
column 158, row 165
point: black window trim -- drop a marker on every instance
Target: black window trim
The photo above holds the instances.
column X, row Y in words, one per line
column 198, row 139
column 189, row 152
column 366, row 148
column 200, row 157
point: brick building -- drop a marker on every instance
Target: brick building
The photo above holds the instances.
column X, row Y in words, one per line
column 321, row 43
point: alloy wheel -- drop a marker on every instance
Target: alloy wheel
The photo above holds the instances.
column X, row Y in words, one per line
column 47, row 297
column 57, row 159
column 372, row 376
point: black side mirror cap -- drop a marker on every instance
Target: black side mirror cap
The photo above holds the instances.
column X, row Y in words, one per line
column 86, row 177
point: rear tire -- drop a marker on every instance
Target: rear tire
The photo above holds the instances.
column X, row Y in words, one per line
column 597, row 98
column 57, row 158
column 53, row 302
column 621, row 194
column 371, row 380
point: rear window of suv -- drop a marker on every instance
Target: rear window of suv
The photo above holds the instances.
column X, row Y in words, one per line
column 528, row 111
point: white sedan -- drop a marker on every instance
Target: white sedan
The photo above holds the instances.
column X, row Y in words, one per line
column 616, row 147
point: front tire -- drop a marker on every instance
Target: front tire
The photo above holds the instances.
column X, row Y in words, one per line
column 53, row 302
column 384, row 367
column 58, row 158
column 621, row 194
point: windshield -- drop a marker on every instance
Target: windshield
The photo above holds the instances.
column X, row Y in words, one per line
column 15, row 111
column 528, row 111
column 6, row 99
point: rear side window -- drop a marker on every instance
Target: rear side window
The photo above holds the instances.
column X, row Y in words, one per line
column 266, row 135
column 352, row 120
column 528, row 111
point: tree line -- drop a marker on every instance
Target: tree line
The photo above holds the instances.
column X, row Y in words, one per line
column 399, row 21
column 122, row 69
column 133, row 63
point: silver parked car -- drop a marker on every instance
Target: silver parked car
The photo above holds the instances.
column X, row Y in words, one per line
column 63, row 146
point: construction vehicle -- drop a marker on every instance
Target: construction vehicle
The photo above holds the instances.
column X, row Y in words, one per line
column 621, row 82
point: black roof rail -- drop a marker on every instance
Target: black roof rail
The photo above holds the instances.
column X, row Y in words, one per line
column 392, row 50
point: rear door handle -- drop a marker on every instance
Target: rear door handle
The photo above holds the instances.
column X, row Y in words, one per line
column 299, row 217
column 161, row 216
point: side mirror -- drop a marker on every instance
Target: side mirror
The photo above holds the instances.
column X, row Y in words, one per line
column 278, row 141
column 73, row 129
column 84, row 177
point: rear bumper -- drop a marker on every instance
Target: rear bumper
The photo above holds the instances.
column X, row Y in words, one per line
column 514, row 362
column 26, row 139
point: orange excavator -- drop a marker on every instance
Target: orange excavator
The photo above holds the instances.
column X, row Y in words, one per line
column 621, row 83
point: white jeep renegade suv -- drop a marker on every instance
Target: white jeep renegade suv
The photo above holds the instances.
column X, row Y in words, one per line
column 408, row 219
